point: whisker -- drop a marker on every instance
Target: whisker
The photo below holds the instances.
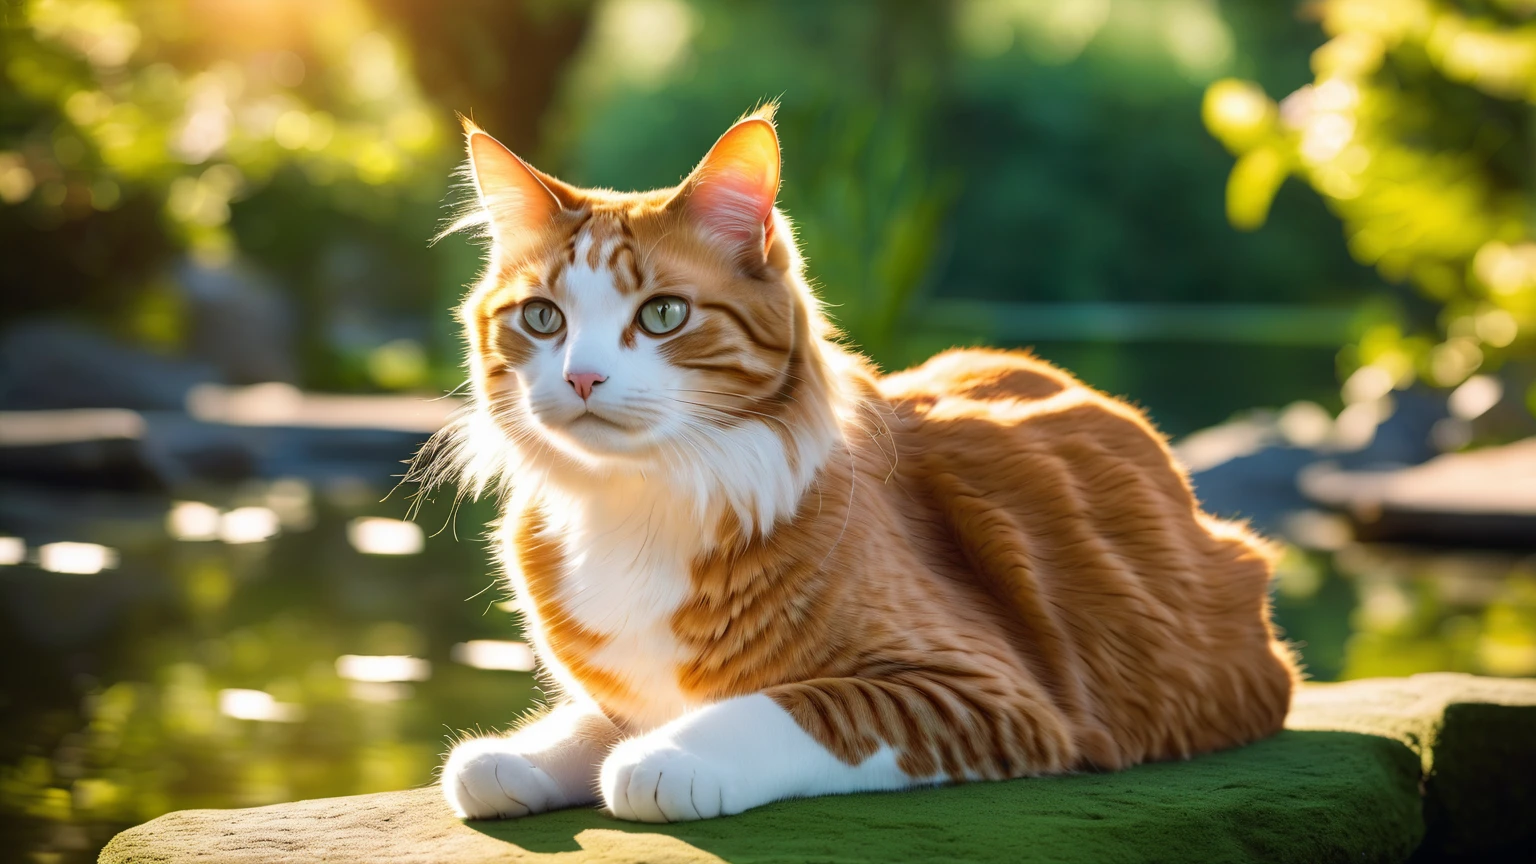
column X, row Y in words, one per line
column 728, row 411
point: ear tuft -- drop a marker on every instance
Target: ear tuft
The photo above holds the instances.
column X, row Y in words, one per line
column 764, row 111
column 731, row 193
column 516, row 201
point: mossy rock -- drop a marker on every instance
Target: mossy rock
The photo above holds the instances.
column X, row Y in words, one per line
column 1476, row 741
column 1342, row 785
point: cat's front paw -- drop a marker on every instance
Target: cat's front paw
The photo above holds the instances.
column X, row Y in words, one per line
column 483, row 780
column 666, row 784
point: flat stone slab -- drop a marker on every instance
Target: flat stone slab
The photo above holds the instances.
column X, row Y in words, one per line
column 1481, row 497
column 1342, row 785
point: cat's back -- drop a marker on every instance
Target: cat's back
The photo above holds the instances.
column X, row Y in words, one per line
column 977, row 374
column 991, row 403
column 1011, row 435
column 1069, row 505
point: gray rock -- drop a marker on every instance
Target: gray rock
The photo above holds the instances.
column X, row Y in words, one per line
column 54, row 364
column 240, row 323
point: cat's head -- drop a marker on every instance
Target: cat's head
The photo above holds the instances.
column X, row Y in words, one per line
column 653, row 331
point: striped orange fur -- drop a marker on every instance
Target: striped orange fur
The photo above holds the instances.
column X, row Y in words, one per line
column 981, row 567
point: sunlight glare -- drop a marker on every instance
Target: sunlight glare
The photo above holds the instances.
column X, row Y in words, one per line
column 644, row 40
column 1355, row 427
column 1367, row 384
column 382, row 668
column 257, row 705
column 1197, row 37
column 1475, row 397
column 373, row 535
column 13, row 550
column 80, row 559
column 248, row 525
column 192, row 520
column 1305, row 424
column 494, row 654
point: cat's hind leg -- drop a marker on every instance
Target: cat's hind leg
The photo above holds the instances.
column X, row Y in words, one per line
column 549, row 764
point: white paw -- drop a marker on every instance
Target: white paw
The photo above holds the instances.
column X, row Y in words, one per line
column 483, row 782
column 667, row 784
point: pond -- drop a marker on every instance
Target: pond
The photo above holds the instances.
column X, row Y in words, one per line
column 286, row 640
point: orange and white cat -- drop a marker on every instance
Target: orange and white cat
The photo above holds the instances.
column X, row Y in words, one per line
column 753, row 568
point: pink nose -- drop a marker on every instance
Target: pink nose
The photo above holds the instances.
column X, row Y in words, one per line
column 583, row 382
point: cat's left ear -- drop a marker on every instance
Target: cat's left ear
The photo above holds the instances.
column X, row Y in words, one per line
column 731, row 194
column 518, row 200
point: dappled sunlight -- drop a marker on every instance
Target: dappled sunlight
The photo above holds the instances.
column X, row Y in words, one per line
column 1475, row 397
column 1423, row 200
column 279, row 404
column 1470, row 612
column 212, row 705
column 378, row 536
column 639, row 42
column 248, row 525
column 494, row 654
column 382, row 669
column 193, row 520
column 257, row 705
column 80, row 559
column 210, row 113
column 59, row 427
column 13, row 550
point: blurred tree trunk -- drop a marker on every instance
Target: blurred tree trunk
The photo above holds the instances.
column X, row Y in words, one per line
column 498, row 61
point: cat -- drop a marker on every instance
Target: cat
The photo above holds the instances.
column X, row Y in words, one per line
column 753, row 568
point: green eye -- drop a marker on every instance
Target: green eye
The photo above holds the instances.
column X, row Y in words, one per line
column 542, row 317
column 662, row 315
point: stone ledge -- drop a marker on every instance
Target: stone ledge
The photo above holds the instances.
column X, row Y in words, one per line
column 1343, row 784
column 1476, row 740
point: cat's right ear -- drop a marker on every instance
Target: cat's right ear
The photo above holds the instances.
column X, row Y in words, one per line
column 731, row 194
column 516, row 200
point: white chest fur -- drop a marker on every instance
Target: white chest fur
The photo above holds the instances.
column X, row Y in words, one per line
column 627, row 557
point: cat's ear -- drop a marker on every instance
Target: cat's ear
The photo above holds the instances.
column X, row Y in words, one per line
column 731, row 194
column 517, row 198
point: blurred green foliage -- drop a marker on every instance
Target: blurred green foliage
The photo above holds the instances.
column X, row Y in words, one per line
column 1419, row 131
column 194, row 106
column 992, row 151
column 289, row 134
column 135, row 130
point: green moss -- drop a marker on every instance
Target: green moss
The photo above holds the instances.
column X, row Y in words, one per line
column 1300, row 796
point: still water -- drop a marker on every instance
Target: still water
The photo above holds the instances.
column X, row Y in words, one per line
column 289, row 641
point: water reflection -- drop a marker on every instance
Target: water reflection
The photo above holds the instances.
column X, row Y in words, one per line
column 382, row 669
column 257, row 705
column 192, row 520
column 374, row 535
column 217, row 674
column 13, row 550
column 81, row 559
column 248, row 525
column 494, row 654
column 326, row 648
